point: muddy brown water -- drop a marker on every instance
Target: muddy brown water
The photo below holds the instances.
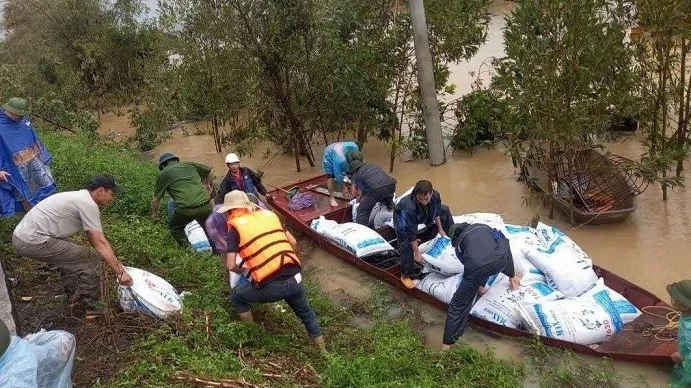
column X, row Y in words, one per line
column 649, row 248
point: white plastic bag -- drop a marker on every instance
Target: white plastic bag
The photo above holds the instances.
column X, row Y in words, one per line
column 498, row 304
column 54, row 352
column 439, row 286
column 149, row 294
column 355, row 238
column 18, row 365
column 197, row 238
column 42, row 360
column 440, row 256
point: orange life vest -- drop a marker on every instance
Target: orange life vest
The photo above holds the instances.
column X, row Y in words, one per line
column 264, row 246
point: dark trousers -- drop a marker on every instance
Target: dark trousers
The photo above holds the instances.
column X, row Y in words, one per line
column 183, row 216
column 408, row 267
column 245, row 294
column 462, row 301
column 381, row 194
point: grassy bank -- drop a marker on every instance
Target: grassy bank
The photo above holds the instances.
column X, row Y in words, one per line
column 208, row 345
column 208, row 342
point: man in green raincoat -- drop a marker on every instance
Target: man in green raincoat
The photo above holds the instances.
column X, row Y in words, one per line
column 680, row 293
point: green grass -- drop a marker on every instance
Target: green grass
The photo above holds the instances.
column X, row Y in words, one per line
column 208, row 340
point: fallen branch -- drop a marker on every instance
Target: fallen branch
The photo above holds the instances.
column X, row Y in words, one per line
column 203, row 381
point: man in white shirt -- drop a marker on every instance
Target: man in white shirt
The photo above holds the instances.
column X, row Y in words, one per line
column 43, row 234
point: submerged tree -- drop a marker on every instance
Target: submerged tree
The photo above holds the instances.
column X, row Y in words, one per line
column 567, row 67
column 662, row 53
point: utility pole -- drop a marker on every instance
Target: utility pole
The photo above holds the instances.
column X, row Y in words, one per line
column 425, row 79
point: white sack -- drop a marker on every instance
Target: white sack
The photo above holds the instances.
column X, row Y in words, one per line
column 523, row 238
column 493, row 220
column 440, row 256
column 235, row 278
column 498, row 304
column 569, row 271
column 591, row 318
column 439, row 286
column 149, row 294
column 355, row 238
column 197, row 238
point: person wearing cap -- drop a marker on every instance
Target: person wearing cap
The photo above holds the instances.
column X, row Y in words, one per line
column 373, row 185
column 25, row 176
column 45, row 231
column 335, row 165
column 267, row 252
column 239, row 178
column 422, row 206
column 189, row 187
column 680, row 293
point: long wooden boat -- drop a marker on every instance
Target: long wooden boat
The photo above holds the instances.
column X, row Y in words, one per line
column 638, row 342
column 602, row 191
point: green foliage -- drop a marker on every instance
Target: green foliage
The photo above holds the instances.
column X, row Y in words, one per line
column 662, row 56
column 152, row 125
column 561, row 368
column 88, row 52
column 395, row 357
column 479, row 114
column 76, row 159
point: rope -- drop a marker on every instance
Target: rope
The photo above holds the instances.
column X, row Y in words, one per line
column 666, row 332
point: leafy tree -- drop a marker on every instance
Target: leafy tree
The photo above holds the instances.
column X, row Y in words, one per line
column 662, row 53
column 566, row 67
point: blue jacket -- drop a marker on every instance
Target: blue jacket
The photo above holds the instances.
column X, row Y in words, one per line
column 409, row 214
column 26, row 159
column 334, row 161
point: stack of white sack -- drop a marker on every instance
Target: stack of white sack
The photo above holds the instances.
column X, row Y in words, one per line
column 567, row 267
column 499, row 303
column 357, row 239
column 560, row 295
column 590, row 318
column 149, row 294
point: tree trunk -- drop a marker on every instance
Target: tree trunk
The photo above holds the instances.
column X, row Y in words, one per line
column 683, row 113
column 425, row 74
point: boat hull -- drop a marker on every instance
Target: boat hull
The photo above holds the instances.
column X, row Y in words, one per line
column 628, row 345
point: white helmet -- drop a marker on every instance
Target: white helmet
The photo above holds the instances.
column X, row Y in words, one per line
column 232, row 158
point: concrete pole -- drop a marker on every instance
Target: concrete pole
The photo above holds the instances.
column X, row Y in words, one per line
column 425, row 79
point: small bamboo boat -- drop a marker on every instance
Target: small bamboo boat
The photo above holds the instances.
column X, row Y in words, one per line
column 644, row 340
column 602, row 191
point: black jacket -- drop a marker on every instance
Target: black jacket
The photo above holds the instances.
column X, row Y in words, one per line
column 479, row 244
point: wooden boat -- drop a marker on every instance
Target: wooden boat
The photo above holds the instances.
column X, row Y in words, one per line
column 602, row 191
column 640, row 341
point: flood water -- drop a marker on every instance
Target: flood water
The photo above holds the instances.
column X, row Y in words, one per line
column 649, row 248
